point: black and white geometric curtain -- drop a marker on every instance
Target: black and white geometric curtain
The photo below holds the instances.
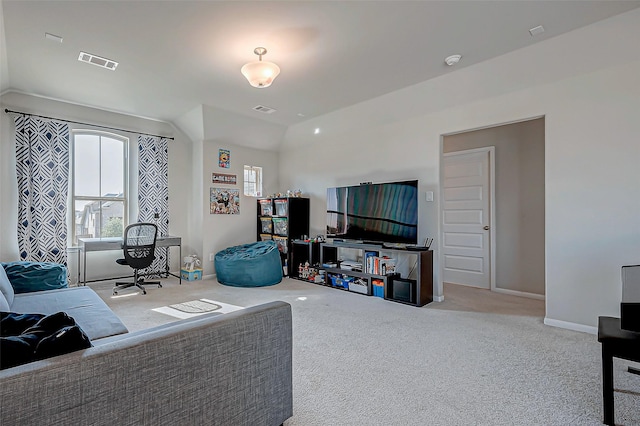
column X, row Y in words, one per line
column 153, row 190
column 42, row 166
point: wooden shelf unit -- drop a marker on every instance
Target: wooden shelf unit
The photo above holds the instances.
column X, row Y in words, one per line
column 423, row 270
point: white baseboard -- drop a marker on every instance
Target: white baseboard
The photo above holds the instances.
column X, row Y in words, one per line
column 210, row 276
column 571, row 326
column 438, row 298
column 519, row 293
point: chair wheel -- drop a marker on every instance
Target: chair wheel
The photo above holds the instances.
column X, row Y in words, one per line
column 115, row 292
column 144, row 292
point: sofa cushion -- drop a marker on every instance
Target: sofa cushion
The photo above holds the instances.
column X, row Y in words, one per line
column 83, row 304
column 35, row 276
column 6, row 288
column 4, row 305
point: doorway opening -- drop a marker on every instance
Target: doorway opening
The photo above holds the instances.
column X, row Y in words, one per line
column 492, row 228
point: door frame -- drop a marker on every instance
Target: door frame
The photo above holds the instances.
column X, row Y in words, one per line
column 490, row 150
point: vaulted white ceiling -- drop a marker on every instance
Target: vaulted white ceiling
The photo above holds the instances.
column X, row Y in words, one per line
column 176, row 57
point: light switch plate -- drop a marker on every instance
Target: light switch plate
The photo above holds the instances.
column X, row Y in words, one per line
column 429, row 195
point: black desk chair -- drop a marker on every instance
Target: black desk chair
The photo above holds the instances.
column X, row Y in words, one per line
column 139, row 252
column 618, row 343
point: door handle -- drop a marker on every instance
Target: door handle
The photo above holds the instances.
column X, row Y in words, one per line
column 486, row 227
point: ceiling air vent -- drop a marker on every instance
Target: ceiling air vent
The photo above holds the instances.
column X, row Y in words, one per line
column 97, row 60
column 264, row 109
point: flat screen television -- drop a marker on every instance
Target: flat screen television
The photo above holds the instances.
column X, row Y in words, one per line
column 374, row 213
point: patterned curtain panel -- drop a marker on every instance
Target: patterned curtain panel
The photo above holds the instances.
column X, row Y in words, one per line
column 153, row 190
column 42, row 166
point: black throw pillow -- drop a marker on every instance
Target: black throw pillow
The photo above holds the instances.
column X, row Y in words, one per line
column 48, row 336
column 13, row 324
column 68, row 339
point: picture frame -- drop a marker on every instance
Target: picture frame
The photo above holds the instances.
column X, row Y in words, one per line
column 224, row 201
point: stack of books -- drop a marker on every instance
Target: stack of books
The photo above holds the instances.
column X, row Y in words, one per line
column 379, row 265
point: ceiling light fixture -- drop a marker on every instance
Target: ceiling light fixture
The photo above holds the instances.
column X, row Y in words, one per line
column 260, row 73
column 452, row 60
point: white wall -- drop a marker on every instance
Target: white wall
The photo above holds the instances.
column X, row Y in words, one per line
column 102, row 264
column 585, row 83
column 221, row 230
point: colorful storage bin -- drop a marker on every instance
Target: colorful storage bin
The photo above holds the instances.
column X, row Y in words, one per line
column 378, row 288
column 266, row 209
column 191, row 275
column 266, row 224
column 282, row 207
column 282, row 244
column 280, row 226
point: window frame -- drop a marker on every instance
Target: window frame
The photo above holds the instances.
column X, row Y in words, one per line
column 125, row 178
column 257, row 183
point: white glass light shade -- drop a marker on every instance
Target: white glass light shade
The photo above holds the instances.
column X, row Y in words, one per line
column 260, row 73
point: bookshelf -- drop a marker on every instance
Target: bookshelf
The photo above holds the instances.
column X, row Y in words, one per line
column 283, row 219
column 410, row 284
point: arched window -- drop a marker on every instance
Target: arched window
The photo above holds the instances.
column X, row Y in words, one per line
column 99, row 184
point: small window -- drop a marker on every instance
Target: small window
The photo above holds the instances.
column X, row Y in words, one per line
column 253, row 181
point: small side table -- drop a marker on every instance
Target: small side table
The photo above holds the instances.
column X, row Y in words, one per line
column 618, row 343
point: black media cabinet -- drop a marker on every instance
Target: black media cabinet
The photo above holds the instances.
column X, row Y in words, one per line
column 417, row 286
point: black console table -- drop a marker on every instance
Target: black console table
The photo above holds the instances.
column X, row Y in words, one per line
column 617, row 343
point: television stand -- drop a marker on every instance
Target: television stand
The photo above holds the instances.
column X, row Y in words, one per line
column 418, row 280
column 399, row 246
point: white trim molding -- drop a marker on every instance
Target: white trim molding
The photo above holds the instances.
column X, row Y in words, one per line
column 519, row 293
column 571, row 326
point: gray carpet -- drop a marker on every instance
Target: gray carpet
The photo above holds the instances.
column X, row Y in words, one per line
column 478, row 358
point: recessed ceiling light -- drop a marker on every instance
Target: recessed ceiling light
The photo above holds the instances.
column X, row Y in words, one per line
column 53, row 37
column 98, row 61
column 452, row 60
column 536, row 30
column 316, row 131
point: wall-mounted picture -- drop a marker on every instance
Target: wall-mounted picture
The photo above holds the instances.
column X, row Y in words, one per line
column 224, row 158
column 224, row 201
column 224, row 178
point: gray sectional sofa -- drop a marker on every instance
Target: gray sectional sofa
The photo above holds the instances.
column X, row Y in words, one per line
column 230, row 369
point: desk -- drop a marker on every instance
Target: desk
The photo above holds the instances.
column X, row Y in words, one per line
column 618, row 343
column 115, row 243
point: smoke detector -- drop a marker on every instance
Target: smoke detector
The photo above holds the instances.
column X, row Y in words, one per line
column 98, row 61
column 452, row 60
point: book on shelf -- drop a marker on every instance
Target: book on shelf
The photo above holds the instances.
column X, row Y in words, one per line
column 379, row 265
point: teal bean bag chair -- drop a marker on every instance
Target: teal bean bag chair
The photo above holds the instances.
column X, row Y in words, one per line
column 249, row 265
column 26, row 277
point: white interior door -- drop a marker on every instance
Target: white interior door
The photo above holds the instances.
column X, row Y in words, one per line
column 466, row 217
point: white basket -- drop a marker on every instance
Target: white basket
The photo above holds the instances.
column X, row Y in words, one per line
column 358, row 288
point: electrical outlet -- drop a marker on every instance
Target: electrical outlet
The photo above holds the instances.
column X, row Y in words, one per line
column 211, row 256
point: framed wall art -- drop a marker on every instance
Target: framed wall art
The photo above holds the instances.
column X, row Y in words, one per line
column 224, row 201
column 224, row 178
column 224, row 158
